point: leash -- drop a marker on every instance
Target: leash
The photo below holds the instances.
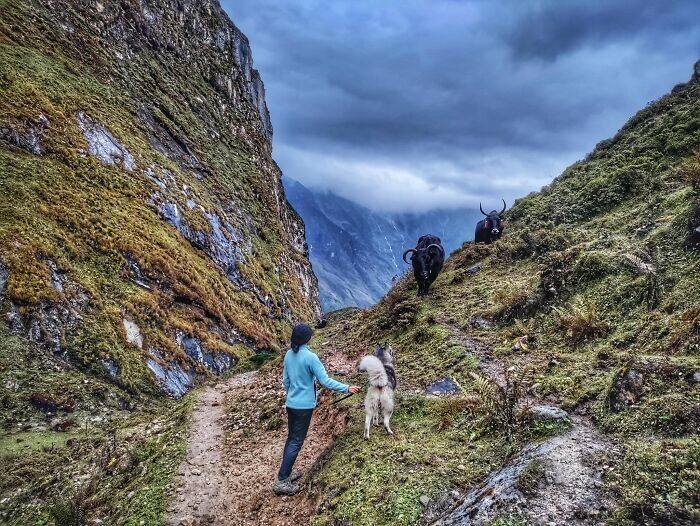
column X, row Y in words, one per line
column 343, row 398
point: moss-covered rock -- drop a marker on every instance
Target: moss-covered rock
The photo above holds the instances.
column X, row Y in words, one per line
column 138, row 184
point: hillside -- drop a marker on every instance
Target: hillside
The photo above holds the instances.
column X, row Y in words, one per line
column 144, row 224
column 588, row 304
column 356, row 253
column 145, row 241
column 151, row 268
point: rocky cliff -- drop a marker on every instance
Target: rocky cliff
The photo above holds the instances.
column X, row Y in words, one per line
column 144, row 231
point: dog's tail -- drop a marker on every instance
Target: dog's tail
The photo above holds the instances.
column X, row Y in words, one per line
column 374, row 367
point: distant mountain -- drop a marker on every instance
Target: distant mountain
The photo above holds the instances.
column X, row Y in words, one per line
column 356, row 253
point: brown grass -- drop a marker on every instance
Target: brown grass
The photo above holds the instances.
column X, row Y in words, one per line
column 581, row 323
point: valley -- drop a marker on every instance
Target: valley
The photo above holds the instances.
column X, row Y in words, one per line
column 151, row 270
column 356, row 253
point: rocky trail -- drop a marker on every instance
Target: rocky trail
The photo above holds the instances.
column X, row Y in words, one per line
column 200, row 482
column 554, row 482
column 235, row 446
column 238, row 432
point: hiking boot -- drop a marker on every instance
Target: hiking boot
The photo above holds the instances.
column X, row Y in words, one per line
column 294, row 476
column 285, row 487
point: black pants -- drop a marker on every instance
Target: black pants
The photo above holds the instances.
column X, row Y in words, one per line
column 298, row 421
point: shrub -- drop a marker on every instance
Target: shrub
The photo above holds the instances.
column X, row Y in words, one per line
column 581, row 323
column 511, row 298
column 399, row 308
column 497, row 407
column 690, row 170
column 72, row 508
column 447, row 409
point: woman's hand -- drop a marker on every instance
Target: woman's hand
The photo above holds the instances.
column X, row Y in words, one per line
column 354, row 389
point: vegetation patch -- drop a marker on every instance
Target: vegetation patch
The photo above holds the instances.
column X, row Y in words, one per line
column 380, row 481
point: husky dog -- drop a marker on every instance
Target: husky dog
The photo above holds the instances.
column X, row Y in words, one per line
column 386, row 355
column 382, row 382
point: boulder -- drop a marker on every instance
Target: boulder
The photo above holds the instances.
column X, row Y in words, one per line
column 480, row 322
column 475, row 268
column 549, row 413
column 446, row 386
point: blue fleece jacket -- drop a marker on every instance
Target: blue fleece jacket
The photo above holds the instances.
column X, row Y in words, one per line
column 301, row 370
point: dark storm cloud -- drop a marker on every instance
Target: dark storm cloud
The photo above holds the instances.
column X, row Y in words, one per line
column 428, row 103
column 550, row 29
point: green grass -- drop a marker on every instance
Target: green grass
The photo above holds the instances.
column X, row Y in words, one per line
column 28, row 442
column 598, row 272
column 381, row 480
column 112, row 452
column 658, row 482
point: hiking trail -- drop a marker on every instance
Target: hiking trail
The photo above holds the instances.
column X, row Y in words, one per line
column 235, row 447
column 239, row 428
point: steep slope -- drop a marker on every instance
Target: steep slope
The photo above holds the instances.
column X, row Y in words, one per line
column 145, row 245
column 144, row 231
column 588, row 304
column 356, row 253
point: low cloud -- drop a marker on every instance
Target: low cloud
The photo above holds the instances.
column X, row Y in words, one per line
column 431, row 103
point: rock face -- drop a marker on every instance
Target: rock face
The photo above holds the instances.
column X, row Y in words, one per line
column 558, row 481
column 103, row 145
column 149, row 233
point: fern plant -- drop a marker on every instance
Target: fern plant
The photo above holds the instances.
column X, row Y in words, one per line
column 581, row 322
column 500, row 406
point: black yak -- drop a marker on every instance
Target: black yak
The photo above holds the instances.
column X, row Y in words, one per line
column 427, row 260
column 490, row 228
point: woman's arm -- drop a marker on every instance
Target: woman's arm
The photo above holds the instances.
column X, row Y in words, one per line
column 322, row 376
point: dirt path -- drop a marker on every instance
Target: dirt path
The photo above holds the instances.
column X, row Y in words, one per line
column 200, row 482
column 235, row 447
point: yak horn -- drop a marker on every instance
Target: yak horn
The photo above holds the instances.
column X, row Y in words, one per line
column 482, row 210
column 504, row 206
column 438, row 246
column 409, row 250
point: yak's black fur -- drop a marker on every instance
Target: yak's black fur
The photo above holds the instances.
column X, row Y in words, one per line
column 427, row 261
column 490, row 228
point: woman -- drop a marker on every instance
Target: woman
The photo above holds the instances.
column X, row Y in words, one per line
column 302, row 368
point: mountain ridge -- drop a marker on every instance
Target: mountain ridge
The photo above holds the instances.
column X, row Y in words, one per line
column 357, row 253
column 170, row 223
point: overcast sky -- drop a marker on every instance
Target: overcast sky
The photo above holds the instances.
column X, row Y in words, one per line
column 418, row 104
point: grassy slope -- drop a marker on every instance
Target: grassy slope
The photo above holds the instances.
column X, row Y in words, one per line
column 107, row 463
column 84, row 215
column 571, row 274
column 70, row 208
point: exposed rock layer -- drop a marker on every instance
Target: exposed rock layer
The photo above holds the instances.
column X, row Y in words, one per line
column 137, row 147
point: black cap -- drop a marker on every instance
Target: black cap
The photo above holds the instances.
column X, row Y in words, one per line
column 301, row 334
